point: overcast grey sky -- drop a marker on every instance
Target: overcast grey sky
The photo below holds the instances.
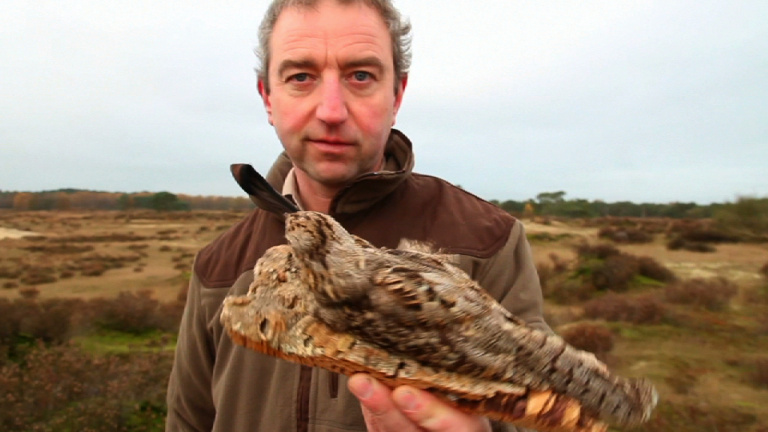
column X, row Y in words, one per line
column 649, row 101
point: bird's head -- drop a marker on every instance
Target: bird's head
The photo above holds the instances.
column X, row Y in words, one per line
column 312, row 232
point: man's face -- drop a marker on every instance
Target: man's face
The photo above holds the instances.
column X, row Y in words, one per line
column 331, row 96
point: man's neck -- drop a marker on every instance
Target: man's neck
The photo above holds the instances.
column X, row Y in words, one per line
column 314, row 196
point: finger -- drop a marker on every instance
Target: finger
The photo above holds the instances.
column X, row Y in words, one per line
column 379, row 411
column 433, row 414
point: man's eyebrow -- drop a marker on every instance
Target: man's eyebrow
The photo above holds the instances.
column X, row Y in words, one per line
column 311, row 64
column 364, row 62
column 295, row 64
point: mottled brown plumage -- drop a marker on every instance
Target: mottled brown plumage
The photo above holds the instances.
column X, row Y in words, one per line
column 331, row 299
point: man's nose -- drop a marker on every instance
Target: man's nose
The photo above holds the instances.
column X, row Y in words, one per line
column 333, row 106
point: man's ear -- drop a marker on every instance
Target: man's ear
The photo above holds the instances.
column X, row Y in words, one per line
column 399, row 90
column 265, row 99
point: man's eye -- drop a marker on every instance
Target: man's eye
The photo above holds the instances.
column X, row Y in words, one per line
column 299, row 77
column 362, row 76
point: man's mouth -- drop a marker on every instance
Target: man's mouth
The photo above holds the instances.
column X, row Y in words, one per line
column 331, row 141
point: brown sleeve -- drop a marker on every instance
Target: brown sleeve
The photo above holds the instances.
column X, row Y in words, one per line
column 189, row 398
column 510, row 277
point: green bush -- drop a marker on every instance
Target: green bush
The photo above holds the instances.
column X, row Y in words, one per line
column 746, row 218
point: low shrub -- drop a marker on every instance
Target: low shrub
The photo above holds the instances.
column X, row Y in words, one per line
column 624, row 235
column 38, row 276
column 646, row 309
column 650, row 268
column 547, row 271
column 678, row 243
column 97, row 264
column 100, row 238
column 747, row 218
column 560, row 265
column 61, row 248
column 760, row 377
column 93, row 269
column 594, row 338
column 49, row 320
column 707, row 235
column 611, row 269
column 711, row 294
column 168, row 316
column 130, row 312
column 53, row 321
column 599, row 251
column 569, row 291
column 64, row 388
column 614, row 273
column 10, row 272
column 29, row 292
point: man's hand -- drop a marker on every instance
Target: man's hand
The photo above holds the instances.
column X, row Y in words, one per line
column 406, row 409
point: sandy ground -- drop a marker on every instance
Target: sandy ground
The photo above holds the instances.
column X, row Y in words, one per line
column 12, row 233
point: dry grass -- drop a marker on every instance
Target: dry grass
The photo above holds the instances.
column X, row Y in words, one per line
column 95, row 254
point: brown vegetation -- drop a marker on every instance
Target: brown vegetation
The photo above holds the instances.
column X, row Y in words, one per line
column 49, row 383
column 711, row 294
column 594, row 338
column 64, row 388
column 599, row 267
column 625, row 235
column 644, row 309
column 683, row 345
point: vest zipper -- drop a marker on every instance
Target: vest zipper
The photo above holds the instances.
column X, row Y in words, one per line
column 302, row 399
column 333, row 385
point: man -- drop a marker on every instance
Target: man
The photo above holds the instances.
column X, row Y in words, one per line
column 332, row 80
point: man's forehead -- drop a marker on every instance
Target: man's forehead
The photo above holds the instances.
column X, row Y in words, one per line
column 352, row 30
column 330, row 19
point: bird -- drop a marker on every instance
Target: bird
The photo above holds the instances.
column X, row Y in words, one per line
column 410, row 315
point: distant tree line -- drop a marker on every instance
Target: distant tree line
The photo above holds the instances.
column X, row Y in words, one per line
column 555, row 204
column 752, row 210
column 746, row 218
column 78, row 199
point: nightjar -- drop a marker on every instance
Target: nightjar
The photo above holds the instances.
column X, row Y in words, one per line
column 410, row 315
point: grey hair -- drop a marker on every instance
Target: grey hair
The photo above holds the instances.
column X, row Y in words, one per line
column 399, row 32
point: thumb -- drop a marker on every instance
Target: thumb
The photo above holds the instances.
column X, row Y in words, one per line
column 435, row 415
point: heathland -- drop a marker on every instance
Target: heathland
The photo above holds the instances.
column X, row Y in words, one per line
column 90, row 302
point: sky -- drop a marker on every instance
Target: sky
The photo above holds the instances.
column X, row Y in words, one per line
column 644, row 101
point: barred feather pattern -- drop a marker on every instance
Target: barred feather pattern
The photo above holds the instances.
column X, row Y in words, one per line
column 410, row 315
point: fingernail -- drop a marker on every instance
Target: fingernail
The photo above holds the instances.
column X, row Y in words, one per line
column 363, row 389
column 407, row 401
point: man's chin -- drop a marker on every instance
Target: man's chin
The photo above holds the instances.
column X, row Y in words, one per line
column 334, row 178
